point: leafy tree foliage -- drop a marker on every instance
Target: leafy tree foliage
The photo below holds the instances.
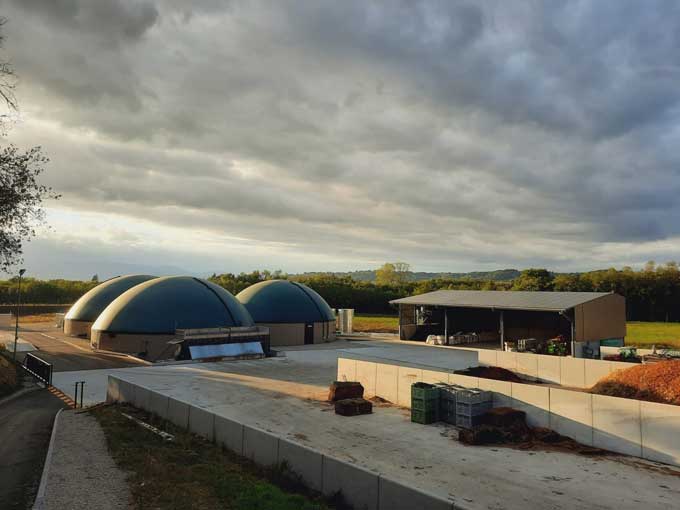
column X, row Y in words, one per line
column 392, row 273
column 21, row 195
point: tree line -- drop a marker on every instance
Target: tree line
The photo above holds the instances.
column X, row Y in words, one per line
column 652, row 293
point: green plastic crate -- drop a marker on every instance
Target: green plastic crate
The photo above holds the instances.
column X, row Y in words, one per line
column 423, row 417
column 421, row 404
column 424, row 391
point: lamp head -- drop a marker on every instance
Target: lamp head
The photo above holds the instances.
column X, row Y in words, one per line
column 21, row 272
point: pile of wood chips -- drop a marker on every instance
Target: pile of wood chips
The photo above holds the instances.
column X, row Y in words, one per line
column 655, row 382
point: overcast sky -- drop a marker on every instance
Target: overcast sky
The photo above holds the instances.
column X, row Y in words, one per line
column 323, row 135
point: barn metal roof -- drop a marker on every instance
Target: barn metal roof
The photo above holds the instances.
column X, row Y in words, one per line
column 509, row 300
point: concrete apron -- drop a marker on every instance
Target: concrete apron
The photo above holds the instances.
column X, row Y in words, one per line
column 362, row 488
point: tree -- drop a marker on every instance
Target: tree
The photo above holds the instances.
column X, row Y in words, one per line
column 21, row 196
column 95, row 278
column 392, row 273
column 534, row 279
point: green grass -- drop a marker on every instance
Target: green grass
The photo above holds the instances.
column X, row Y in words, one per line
column 646, row 334
column 376, row 323
column 191, row 473
column 640, row 334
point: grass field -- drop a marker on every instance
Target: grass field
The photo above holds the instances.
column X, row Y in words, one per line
column 190, row 472
column 640, row 334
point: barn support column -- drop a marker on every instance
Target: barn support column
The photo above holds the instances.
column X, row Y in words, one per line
column 502, row 330
column 446, row 326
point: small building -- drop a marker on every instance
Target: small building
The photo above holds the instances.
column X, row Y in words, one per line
column 145, row 320
column 294, row 313
column 585, row 319
column 80, row 317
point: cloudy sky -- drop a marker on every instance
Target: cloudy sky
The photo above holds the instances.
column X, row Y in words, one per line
column 322, row 135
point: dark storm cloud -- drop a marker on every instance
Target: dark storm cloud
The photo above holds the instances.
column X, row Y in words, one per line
column 465, row 126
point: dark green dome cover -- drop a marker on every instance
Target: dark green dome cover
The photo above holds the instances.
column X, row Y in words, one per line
column 284, row 301
column 93, row 302
column 163, row 305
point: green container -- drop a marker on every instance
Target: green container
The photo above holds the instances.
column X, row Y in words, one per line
column 423, row 417
column 420, row 404
column 424, row 391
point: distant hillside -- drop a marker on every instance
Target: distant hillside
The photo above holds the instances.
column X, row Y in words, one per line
column 499, row 275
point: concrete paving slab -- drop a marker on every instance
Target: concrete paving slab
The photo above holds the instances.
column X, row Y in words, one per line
column 285, row 395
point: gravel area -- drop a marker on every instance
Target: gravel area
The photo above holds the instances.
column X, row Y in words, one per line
column 82, row 474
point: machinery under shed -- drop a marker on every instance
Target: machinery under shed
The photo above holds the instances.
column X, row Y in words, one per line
column 585, row 320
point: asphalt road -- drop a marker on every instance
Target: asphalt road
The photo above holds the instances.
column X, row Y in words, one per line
column 25, row 429
column 70, row 354
column 26, row 422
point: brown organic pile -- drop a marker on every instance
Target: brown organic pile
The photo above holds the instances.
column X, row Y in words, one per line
column 655, row 382
column 497, row 373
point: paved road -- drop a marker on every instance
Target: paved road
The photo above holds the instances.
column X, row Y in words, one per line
column 69, row 354
column 26, row 422
column 25, row 428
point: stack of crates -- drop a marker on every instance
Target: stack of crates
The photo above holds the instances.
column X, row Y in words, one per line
column 471, row 404
column 424, row 403
column 447, row 402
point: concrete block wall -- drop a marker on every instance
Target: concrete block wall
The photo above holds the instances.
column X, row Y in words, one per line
column 565, row 371
column 631, row 427
column 360, row 487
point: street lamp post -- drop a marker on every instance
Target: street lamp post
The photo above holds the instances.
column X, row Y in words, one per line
column 16, row 326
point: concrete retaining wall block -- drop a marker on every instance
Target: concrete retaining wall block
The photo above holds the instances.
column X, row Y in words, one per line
column 304, row 462
column 386, row 382
column 112, row 389
column 358, row 486
column 202, row 422
column 616, row 425
column 572, row 372
column 142, row 398
column 229, row 434
column 406, row 377
column 347, row 369
column 595, row 370
column 433, row 377
column 533, row 400
column 126, row 392
column 159, row 405
column 366, row 375
column 464, row 380
column 660, row 425
column 178, row 413
column 395, row 496
column 507, row 360
column 571, row 414
column 548, row 368
column 259, row 446
column 502, row 391
column 487, row 357
column 527, row 365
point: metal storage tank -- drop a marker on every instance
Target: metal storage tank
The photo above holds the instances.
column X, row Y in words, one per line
column 79, row 319
column 143, row 320
column 294, row 313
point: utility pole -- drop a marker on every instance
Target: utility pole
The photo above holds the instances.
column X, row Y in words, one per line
column 16, row 326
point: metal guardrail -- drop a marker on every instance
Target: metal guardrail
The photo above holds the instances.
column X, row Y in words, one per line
column 38, row 368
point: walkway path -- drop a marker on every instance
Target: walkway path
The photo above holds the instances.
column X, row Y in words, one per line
column 82, row 474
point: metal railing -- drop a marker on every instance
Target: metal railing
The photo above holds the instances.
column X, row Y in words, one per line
column 38, row 368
